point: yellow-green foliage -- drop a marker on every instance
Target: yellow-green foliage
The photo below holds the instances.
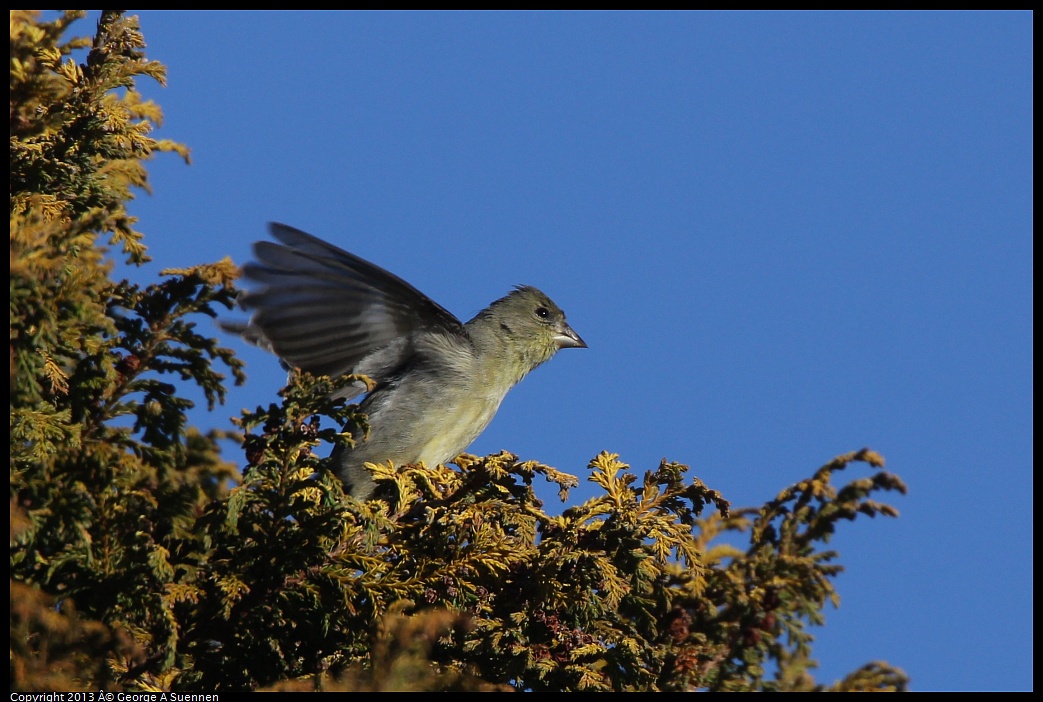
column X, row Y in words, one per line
column 105, row 473
column 140, row 560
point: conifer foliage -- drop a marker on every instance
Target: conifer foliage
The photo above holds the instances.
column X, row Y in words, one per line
column 141, row 560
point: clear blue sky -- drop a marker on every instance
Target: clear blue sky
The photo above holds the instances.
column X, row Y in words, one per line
column 784, row 237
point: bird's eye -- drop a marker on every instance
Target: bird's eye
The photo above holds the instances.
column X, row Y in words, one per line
column 542, row 312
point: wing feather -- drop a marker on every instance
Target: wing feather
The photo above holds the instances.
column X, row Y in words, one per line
column 329, row 312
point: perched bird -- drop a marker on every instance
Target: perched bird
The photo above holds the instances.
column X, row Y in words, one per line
column 438, row 381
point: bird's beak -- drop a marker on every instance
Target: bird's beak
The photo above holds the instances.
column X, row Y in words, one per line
column 567, row 338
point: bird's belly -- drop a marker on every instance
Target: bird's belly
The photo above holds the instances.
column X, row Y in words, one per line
column 443, row 435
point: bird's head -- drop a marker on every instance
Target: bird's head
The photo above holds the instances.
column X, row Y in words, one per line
column 527, row 325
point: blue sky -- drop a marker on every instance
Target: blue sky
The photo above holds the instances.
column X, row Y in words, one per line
column 783, row 236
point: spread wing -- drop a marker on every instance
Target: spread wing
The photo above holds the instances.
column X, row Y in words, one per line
column 329, row 312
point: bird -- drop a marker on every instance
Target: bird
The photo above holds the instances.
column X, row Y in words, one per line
column 436, row 382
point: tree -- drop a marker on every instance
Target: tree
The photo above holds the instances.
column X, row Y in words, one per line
column 141, row 560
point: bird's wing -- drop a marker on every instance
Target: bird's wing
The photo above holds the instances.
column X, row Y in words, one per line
column 328, row 312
